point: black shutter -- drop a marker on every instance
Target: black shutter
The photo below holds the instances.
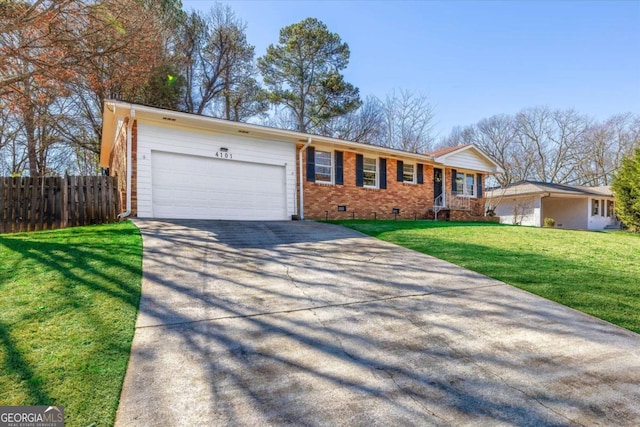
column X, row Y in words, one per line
column 400, row 171
column 454, row 187
column 311, row 164
column 479, row 184
column 420, row 174
column 383, row 173
column 359, row 170
column 339, row 178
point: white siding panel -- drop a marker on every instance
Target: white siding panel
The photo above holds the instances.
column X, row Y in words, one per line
column 468, row 159
column 521, row 211
column 245, row 150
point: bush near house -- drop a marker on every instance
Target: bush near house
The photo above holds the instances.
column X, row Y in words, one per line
column 68, row 304
column 549, row 222
column 626, row 188
column 594, row 272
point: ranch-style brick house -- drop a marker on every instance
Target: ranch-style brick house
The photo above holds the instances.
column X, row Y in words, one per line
column 187, row 166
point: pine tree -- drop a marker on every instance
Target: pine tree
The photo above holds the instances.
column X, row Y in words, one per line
column 302, row 73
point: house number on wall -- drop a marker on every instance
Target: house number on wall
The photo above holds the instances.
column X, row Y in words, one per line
column 222, row 155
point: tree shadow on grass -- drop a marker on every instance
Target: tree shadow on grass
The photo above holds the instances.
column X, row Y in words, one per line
column 70, row 297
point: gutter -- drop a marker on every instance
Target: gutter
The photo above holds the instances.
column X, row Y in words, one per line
column 132, row 116
column 301, row 207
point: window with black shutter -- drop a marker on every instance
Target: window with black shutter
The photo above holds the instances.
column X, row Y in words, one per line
column 339, row 170
column 359, row 170
column 383, row 173
column 400, row 171
column 311, row 164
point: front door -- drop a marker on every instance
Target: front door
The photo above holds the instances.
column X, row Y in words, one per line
column 437, row 187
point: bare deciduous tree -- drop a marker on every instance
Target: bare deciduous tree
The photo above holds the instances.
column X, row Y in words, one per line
column 407, row 122
column 548, row 145
column 61, row 60
column 362, row 125
column 218, row 63
column 606, row 143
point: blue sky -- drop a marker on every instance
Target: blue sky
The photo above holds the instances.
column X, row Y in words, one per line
column 474, row 59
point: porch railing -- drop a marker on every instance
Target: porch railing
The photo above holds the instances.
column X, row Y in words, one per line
column 452, row 201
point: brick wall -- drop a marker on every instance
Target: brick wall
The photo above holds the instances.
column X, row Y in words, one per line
column 321, row 201
column 414, row 200
column 118, row 165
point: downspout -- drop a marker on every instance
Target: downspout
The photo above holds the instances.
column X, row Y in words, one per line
column 544, row 196
column 301, row 207
column 132, row 116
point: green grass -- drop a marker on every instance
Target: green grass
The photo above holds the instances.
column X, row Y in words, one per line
column 68, row 304
column 597, row 273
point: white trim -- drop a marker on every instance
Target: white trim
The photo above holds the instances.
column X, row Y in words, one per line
column 376, row 184
column 474, row 186
column 415, row 173
column 332, row 161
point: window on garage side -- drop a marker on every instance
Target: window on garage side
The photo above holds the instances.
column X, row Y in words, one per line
column 409, row 173
column 324, row 166
column 370, row 172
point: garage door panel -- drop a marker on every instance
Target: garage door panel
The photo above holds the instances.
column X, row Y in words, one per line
column 208, row 188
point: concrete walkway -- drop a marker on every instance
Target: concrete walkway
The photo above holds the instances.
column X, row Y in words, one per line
column 303, row 323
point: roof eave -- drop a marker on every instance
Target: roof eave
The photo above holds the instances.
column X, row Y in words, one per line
column 143, row 111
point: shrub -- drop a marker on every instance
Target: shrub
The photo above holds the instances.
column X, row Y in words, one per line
column 626, row 189
column 549, row 222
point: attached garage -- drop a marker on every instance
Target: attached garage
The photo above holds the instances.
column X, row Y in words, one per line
column 186, row 166
column 185, row 186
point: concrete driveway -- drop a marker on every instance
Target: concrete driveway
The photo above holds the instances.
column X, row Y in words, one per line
column 301, row 323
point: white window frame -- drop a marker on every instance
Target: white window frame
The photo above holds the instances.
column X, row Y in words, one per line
column 414, row 173
column 375, row 172
column 331, row 166
column 465, row 191
column 595, row 207
column 610, row 208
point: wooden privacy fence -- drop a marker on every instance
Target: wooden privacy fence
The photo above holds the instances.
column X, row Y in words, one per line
column 29, row 204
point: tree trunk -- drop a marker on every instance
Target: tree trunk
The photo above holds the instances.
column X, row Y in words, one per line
column 30, row 133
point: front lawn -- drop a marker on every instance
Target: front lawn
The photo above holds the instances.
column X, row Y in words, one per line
column 68, row 304
column 597, row 273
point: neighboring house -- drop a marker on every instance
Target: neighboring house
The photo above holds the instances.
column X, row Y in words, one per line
column 191, row 166
column 571, row 206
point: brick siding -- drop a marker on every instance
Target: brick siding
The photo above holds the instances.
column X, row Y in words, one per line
column 415, row 201
column 118, row 166
column 321, row 201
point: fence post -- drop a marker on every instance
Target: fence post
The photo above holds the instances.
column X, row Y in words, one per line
column 64, row 211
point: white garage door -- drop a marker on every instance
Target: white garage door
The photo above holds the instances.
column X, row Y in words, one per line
column 193, row 187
